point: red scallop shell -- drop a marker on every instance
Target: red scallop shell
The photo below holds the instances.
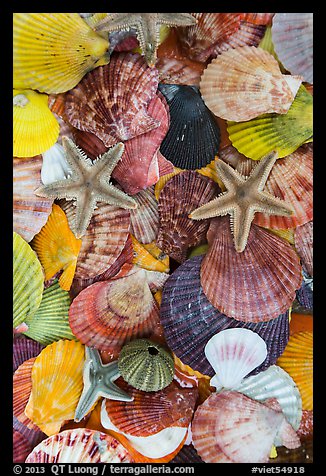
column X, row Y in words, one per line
column 303, row 242
column 259, row 18
column 21, row 447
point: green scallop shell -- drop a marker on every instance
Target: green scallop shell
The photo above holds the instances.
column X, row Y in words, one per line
column 50, row 323
column 146, row 365
column 28, row 281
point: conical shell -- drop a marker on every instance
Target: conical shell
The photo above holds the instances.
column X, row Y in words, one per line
column 134, row 170
column 146, row 365
column 24, row 349
column 108, row 314
column 57, row 247
column 233, row 354
column 292, row 35
column 268, row 269
column 54, row 166
column 112, row 100
column 181, row 195
column 21, row 447
column 79, row 445
column 57, row 382
column 53, row 51
column 243, row 83
column 297, row 361
column 28, row 280
column 230, row 427
column 35, row 129
column 189, row 320
column 151, row 412
column 30, row 212
column 303, row 241
column 193, row 138
column 283, row 133
column 145, row 220
column 50, row 322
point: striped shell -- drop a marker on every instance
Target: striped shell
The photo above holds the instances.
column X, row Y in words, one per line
column 145, row 219
column 303, row 242
column 24, row 349
column 21, row 447
column 146, row 365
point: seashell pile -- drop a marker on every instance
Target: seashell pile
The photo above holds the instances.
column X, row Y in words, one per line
column 162, row 238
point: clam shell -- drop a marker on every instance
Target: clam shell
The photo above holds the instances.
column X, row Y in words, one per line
column 57, row 382
column 112, row 100
column 183, row 193
column 21, row 447
column 297, row 361
column 79, row 445
column 233, row 354
column 303, row 242
column 24, row 349
column 151, row 412
column 53, row 51
column 230, row 427
column 146, row 365
column 108, row 314
column 189, row 320
column 28, row 281
column 57, row 247
column 30, row 212
column 243, row 83
column 193, row 138
column 35, row 129
column 50, row 322
column 54, row 165
column 292, row 35
column 134, row 170
column 283, row 133
column 268, row 269
column 145, row 220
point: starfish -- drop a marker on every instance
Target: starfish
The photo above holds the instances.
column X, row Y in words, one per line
column 147, row 26
column 88, row 183
column 98, row 382
column 243, row 198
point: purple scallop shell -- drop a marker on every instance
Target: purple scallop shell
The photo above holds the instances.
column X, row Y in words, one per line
column 304, row 294
column 24, row 349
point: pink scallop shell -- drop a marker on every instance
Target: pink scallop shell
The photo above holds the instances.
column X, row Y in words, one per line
column 145, row 220
column 303, row 242
column 21, row 447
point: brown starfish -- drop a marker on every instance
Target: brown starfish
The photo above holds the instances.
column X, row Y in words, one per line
column 88, row 183
column 243, row 198
column 147, row 26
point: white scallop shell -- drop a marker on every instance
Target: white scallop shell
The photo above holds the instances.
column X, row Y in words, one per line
column 54, row 166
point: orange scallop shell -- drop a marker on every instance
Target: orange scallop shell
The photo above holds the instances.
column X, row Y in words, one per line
column 22, row 387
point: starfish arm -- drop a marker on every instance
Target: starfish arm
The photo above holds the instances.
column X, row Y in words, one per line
column 240, row 226
column 85, row 205
column 118, row 21
column 177, row 19
column 88, row 398
column 113, row 196
column 106, row 163
column 221, row 205
column 66, row 188
column 261, row 171
column 267, row 203
column 229, row 176
column 76, row 158
column 113, row 392
column 94, row 356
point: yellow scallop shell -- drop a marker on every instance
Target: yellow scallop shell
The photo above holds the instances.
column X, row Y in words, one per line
column 53, row 51
column 35, row 129
column 57, row 383
column 148, row 256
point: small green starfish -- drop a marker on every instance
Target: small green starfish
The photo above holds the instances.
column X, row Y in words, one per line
column 147, row 26
column 98, row 382
column 243, row 198
column 88, row 183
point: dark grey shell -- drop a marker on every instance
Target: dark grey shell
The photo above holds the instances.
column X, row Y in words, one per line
column 193, row 138
column 189, row 321
column 188, row 454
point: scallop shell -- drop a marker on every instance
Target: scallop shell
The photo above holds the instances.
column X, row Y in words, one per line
column 88, row 142
column 249, row 34
column 186, row 455
column 50, row 322
column 268, row 269
column 305, row 295
column 79, row 445
column 151, row 412
column 233, row 354
column 183, row 193
column 112, row 100
column 181, row 71
column 28, row 281
column 163, row 180
column 54, row 166
column 53, row 51
column 260, row 18
column 108, row 314
column 297, row 361
column 193, row 138
column 292, row 35
column 30, row 212
column 22, row 386
column 57, row 382
column 189, row 320
column 303, row 241
column 24, row 349
column 57, row 247
column 283, row 133
column 230, row 427
column 21, row 447
column 145, row 259
column 243, row 83
column 134, row 170
column 145, row 220
column 35, row 129
column 305, row 430
column 146, row 365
